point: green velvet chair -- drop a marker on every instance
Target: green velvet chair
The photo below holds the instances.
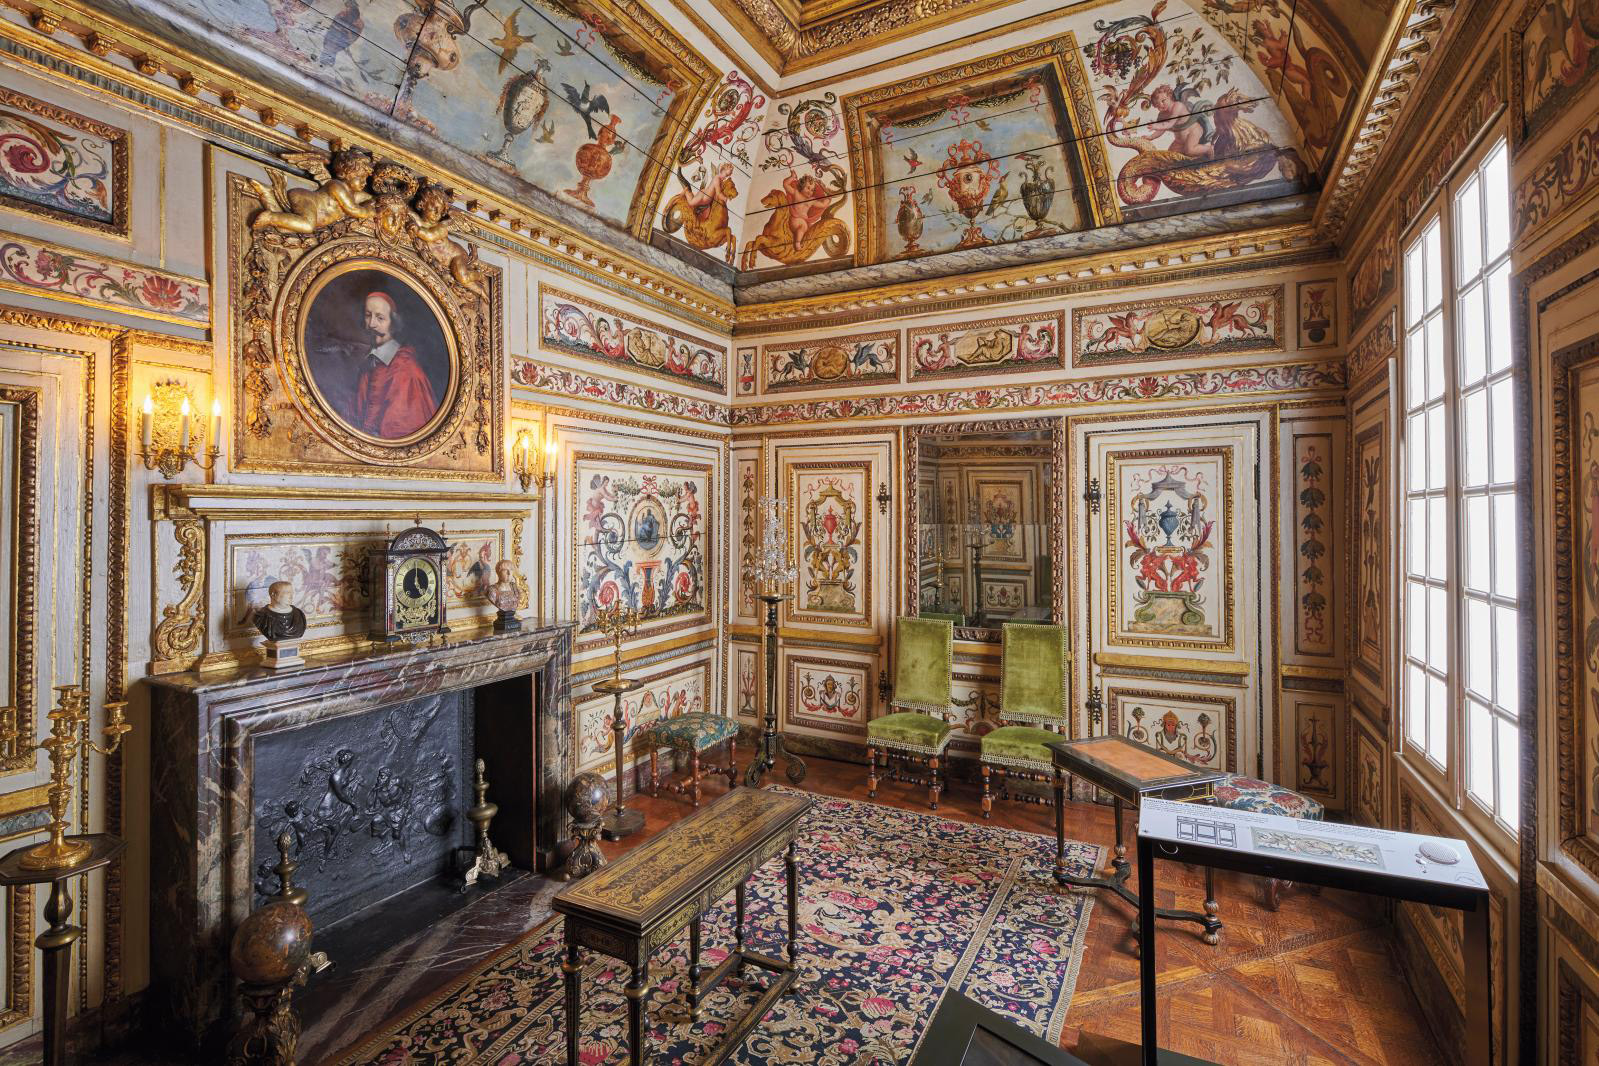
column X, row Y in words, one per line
column 1032, row 709
column 924, row 669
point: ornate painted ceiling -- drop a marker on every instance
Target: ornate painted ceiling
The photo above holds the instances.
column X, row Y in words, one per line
column 995, row 133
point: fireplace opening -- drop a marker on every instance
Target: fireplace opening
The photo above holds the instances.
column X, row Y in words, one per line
column 375, row 804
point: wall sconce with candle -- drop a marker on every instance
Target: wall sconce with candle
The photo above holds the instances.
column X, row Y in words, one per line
column 166, row 432
column 533, row 460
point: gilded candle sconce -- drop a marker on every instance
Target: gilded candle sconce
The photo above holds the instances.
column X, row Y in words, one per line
column 167, row 441
column 533, row 459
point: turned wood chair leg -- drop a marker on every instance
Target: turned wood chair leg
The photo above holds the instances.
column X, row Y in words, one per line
column 655, row 773
column 1274, row 889
column 871, row 772
column 694, row 776
column 988, row 799
column 732, row 763
column 934, row 785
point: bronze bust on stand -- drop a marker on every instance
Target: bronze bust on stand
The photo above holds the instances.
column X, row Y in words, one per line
column 62, row 857
column 619, row 623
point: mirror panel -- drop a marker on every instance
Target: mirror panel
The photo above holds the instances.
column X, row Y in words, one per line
column 986, row 532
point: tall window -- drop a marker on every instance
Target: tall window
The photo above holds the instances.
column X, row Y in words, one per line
column 1461, row 612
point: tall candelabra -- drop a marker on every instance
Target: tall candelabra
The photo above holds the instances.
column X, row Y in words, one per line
column 64, row 745
column 772, row 573
column 975, row 534
column 619, row 623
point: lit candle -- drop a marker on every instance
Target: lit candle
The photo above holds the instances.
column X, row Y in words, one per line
column 183, row 427
column 216, row 425
column 549, row 457
column 146, row 422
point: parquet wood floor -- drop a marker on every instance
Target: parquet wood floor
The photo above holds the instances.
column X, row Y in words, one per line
column 1316, row 982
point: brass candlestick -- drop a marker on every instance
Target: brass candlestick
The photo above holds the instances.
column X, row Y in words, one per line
column 773, row 574
column 619, row 623
column 63, row 745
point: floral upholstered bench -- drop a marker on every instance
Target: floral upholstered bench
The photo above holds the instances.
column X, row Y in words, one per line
column 1239, row 793
column 693, row 733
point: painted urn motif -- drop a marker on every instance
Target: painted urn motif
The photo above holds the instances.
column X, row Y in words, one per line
column 1038, row 196
column 909, row 220
column 967, row 175
column 594, row 160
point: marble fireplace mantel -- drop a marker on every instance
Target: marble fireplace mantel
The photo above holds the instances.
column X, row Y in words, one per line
column 204, row 728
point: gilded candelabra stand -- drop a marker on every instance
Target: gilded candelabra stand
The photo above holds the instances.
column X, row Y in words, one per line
column 64, row 745
column 487, row 860
column 772, row 574
column 619, row 623
column 56, row 861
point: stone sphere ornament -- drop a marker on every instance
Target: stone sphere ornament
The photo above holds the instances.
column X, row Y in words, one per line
column 587, row 797
column 272, row 944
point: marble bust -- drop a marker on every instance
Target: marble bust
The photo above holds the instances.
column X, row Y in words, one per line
column 505, row 592
column 280, row 619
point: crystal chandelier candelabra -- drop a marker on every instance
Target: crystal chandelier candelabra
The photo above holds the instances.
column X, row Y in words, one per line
column 773, row 574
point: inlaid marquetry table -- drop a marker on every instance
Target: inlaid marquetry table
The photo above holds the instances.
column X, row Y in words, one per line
column 643, row 900
column 1131, row 773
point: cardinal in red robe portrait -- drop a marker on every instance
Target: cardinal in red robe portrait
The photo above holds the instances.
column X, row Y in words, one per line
column 393, row 397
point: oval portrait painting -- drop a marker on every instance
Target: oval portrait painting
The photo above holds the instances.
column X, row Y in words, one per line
column 377, row 352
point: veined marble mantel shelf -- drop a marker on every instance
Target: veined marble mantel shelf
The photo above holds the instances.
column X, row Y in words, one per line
column 205, row 726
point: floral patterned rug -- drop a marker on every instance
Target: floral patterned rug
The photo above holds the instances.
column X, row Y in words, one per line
column 895, row 907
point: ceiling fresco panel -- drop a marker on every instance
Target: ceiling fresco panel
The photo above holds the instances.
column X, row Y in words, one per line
column 992, row 151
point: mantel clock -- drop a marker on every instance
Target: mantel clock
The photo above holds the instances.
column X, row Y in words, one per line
column 408, row 578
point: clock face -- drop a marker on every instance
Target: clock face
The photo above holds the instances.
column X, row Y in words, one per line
column 416, row 594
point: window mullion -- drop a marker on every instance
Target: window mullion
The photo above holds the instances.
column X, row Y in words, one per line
column 1454, row 502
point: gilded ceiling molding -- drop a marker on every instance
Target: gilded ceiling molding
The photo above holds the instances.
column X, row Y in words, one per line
column 1276, row 247
column 268, row 121
column 1388, row 94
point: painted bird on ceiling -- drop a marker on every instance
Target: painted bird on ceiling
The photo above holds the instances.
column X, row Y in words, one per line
column 509, row 41
column 912, row 160
column 585, row 104
column 999, row 196
column 563, row 47
column 347, row 26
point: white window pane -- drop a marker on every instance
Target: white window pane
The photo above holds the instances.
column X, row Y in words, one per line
column 1437, row 629
column 1505, row 544
column 1468, row 227
column 1437, row 538
column 1477, row 536
column 1473, row 336
column 1416, row 620
column 1507, row 683
column 1480, row 752
column 1416, row 538
column 1474, row 438
column 1499, row 317
column 1504, row 436
column 1496, row 201
column 1436, row 455
column 1415, row 705
column 1435, row 357
column 1416, row 450
column 1509, row 774
column 1479, row 648
column 1415, row 285
column 1415, row 368
column 1437, row 720
column 1435, row 265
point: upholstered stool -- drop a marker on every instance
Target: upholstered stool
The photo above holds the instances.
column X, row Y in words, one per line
column 1239, row 793
column 693, row 733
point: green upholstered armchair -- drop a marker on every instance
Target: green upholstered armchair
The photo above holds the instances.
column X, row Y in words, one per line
column 1032, row 706
column 924, row 668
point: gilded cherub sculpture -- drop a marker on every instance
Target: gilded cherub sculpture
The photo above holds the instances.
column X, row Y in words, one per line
column 339, row 194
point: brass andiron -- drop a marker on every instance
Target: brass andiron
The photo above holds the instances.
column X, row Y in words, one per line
column 64, row 745
column 489, row 860
column 619, row 623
